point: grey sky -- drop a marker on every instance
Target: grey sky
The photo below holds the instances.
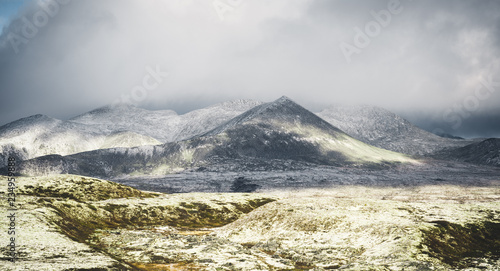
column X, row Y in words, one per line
column 428, row 61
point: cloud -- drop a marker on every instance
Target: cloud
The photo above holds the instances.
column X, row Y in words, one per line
column 431, row 56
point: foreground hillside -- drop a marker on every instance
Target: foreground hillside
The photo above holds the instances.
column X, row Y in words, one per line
column 57, row 215
column 69, row 222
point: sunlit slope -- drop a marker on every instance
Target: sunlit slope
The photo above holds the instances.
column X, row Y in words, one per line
column 41, row 135
column 285, row 130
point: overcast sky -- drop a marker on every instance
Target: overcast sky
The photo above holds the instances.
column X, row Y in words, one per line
column 434, row 62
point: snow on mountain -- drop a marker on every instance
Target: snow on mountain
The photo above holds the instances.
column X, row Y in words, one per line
column 28, row 128
column 14, row 136
column 278, row 131
column 202, row 120
column 384, row 129
column 125, row 117
column 108, row 127
column 239, row 129
column 41, row 135
column 163, row 125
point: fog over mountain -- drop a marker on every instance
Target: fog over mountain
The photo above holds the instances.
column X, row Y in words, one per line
column 435, row 61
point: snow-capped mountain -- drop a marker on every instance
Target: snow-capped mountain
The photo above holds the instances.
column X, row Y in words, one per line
column 235, row 128
column 281, row 130
column 41, row 135
column 163, row 125
column 384, row 129
column 109, row 127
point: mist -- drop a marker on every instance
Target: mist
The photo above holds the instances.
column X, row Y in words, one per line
column 435, row 62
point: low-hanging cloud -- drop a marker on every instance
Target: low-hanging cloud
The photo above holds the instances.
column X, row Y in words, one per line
column 429, row 57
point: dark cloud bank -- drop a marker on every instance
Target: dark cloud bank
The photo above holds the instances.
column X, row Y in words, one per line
column 434, row 62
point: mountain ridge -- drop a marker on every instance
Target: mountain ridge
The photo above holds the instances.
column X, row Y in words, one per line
column 126, row 125
column 281, row 130
column 40, row 135
column 385, row 129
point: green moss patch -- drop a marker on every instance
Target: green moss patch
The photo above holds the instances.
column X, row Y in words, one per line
column 454, row 243
column 78, row 188
column 78, row 220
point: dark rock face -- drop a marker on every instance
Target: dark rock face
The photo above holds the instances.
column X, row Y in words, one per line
column 243, row 185
column 269, row 131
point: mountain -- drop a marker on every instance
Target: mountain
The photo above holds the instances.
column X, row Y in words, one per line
column 109, row 127
column 40, row 135
column 384, row 129
column 486, row 152
column 278, row 131
column 163, row 125
column 283, row 130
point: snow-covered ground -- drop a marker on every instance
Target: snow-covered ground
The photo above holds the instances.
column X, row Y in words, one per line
column 351, row 227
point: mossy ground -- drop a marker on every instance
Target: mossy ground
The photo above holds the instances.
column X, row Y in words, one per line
column 349, row 228
column 458, row 245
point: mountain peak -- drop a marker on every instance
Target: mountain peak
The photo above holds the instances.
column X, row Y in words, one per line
column 43, row 122
column 34, row 119
column 283, row 129
column 284, row 99
column 108, row 111
column 282, row 110
column 114, row 107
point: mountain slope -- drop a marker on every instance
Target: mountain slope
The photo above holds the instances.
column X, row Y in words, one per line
column 281, row 130
column 285, row 130
column 41, row 135
column 13, row 136
column 384, row 129
column 486, row 152
column 110, row 127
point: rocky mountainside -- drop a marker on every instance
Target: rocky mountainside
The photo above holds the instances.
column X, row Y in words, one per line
column 110, row 127
column 486, row 152
column 281, row 130
column 384, row 129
